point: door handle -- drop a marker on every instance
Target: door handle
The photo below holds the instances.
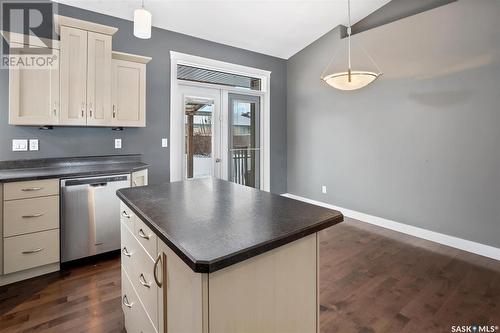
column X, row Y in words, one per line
column 33, row 251
column 155, row 268
column 32, row 216
column 31, row 189
column 114, row 111
column 217, row 160
column 143, row 235
column 90, row 110
column 142, row 281
column 126, row 303
column 125, row 252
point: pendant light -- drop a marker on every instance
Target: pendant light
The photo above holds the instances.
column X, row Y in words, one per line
column 142, row 23
column 351, row 79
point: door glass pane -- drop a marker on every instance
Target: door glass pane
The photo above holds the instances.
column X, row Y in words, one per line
column 244, row 145
column 198, row 138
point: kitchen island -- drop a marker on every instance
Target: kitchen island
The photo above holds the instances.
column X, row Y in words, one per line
column 213, row 256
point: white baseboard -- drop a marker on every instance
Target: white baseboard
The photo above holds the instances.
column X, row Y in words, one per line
column 459, row 243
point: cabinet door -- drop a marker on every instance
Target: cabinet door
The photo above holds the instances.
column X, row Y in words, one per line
column 73, row 67
column 140, row 178
column 34, row 95
column 183, row 295
column 99, row 79
column 129, row 94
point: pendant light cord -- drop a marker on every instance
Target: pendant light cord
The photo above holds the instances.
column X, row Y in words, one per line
column 349, row 39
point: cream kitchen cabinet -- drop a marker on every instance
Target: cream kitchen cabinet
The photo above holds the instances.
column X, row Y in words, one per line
column 29, row 224
column 34, row 94
column 85, row 77
column 129, row 90
column 140, row 178
column 90, row 85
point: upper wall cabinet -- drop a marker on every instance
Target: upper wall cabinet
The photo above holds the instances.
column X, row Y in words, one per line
column 129, row 90
column 85, row 72
column 91, row 86
column 73, row 76
column 34, row 94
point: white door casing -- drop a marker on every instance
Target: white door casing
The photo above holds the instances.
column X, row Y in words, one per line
column 177, row 112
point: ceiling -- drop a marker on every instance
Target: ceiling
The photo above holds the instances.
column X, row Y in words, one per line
column 278, row 28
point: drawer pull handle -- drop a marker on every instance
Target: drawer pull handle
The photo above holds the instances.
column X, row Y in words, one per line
column 142, row 281
column 126, row 303
column 125, row 215
column 155, row 268
column 33, row 251
column 142, row 234
column 32, row 216
column 125, row 252
column 31, row 189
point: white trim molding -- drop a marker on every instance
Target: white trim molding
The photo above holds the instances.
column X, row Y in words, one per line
column 455, row 242
column 177, row 119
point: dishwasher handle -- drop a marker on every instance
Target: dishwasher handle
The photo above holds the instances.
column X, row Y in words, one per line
column 94, row 181
column 99, row 185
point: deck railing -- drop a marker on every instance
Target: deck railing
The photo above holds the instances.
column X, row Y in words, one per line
column 243, row 164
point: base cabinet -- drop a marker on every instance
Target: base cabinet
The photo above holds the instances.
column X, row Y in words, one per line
column 257, row 295
column 29, row 225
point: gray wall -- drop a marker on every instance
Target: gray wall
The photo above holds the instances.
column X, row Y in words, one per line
column 62, row 142
column 421, row 145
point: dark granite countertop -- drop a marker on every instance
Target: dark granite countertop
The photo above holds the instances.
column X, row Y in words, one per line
column 22, row 170
column 211, row 224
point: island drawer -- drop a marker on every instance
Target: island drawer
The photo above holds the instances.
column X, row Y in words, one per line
column 31, row 215
column 129, row 248
column 146, row 237
column 136, row 319
column 139, row 267
column 127, row 216
column 32, row 250
column 31, row 189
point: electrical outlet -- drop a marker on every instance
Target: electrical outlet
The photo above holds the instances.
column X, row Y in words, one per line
column 323, row 189
column 20, row 145
column 164, row 143
column 118, row 143
column 33, row 143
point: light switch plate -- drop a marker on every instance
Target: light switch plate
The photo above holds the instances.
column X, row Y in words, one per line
column 164, row 143
column 118, row 143
column 20, row 145
column 33, row 144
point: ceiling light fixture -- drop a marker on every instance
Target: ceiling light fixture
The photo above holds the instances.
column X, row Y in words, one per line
column 352, row 79
column 142, row 23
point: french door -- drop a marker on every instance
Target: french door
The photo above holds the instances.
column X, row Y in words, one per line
column 221, row 135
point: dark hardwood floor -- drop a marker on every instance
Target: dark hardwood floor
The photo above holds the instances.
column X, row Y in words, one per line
column 372, row 280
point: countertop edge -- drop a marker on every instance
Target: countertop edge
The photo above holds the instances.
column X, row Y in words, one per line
column 201, row 266
column 74, row 174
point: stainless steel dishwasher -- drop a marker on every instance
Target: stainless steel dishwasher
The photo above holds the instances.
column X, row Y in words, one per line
column 90, row 215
